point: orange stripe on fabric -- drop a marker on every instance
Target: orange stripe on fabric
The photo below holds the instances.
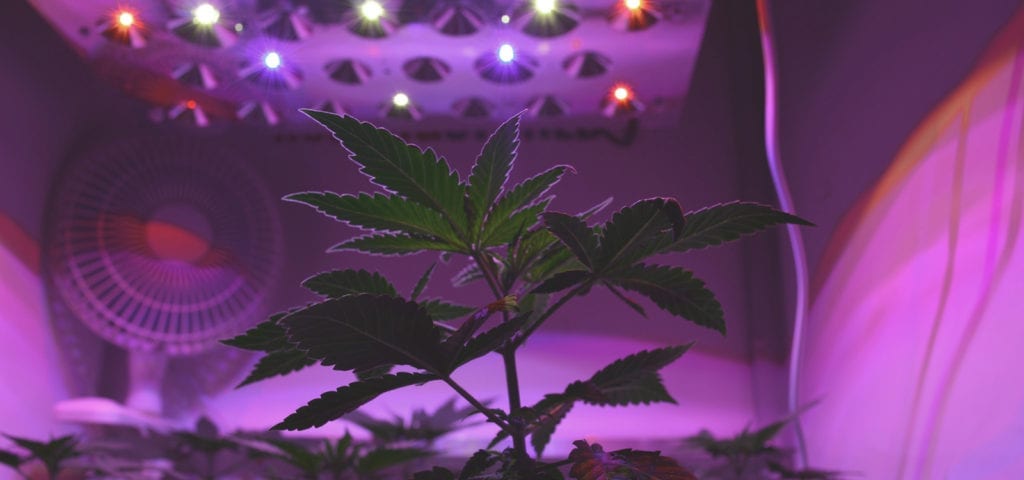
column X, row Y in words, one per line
column 947, row 281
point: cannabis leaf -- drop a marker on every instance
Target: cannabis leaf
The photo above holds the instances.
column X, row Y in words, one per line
column 390, row 162
column 574, row 234
column 591, row 462
column 725, row 222
column 635, row 232
column 360, row 332
column 52, row 454
column 380, row 213
column 332, row 405
column 392, row 244
column 674, row 290
column 338, row 283
column 490, row 172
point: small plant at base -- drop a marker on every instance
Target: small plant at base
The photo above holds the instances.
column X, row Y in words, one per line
column 526, row 255
column 750, row 454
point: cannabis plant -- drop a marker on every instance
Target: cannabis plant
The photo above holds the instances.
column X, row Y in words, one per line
column 533, row 261
column 752, row 455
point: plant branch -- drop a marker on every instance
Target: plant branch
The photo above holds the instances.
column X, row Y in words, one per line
column 547, row 313
column 476, row 403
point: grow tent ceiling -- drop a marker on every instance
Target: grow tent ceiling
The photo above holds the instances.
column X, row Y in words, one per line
column 442, row 54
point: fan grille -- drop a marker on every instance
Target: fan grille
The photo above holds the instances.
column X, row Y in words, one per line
column 163, row 246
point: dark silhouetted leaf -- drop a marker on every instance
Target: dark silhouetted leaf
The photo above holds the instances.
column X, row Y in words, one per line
column 279, row 362
column 805, row 474
column 392, row 244
column 633, row 379
column 338, row 283
column 381, row 213
column 266, row 336
column 545, row 417
column 488, row 341
column 390, row 162
column 674, row 290
column 490, row 172
column 382, row 458
column 478, row 464
column 374, row 372
column 437, row 473
column 297, row 455
column 591, row 462
column 635, row 232
column 53, row 453
column 574, row 234
column 10, row 459
column 561, row 281
column 722, row 223
column 440, row 310
column 421, row 284
column 333, row 405
column 359, row 332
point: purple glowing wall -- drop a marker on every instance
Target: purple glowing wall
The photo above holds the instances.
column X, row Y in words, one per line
column 914, row 338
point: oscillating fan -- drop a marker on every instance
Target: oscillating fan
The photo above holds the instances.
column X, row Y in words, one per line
column 162, row 247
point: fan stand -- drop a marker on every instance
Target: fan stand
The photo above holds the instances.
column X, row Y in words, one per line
column 143, row 406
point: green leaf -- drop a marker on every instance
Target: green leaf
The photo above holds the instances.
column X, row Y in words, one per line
column 338, row 283
column 381, row 213
column 521, row 196
column 390, row 162
column 521, row 221
column 491, row 170
column 561, row 281
column 488, row 341
column 591, row 462
column 440, row 310
column 674, row 290
column 392, row 244
column 278, row 362
column 10, row 459
column 635, row 232
column 574, row 234
column 266, row 336
column 633, row 380
column 334, row 404
column 421, row 284
column 382, row 458
column 359, row 332
column 722, row 223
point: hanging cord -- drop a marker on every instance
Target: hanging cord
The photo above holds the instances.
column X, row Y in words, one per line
column 796, row 240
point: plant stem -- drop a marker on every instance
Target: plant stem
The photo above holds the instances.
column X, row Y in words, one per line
column 476, row 403
column 514, row 401
column 508, row 354
column 547, row 313
column 489, row 274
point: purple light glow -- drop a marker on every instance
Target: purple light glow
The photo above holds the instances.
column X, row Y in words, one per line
column 917, row 351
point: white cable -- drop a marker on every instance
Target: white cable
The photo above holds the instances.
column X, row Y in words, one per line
column 796, row 240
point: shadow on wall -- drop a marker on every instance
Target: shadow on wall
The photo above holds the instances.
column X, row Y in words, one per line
column 914, row 344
